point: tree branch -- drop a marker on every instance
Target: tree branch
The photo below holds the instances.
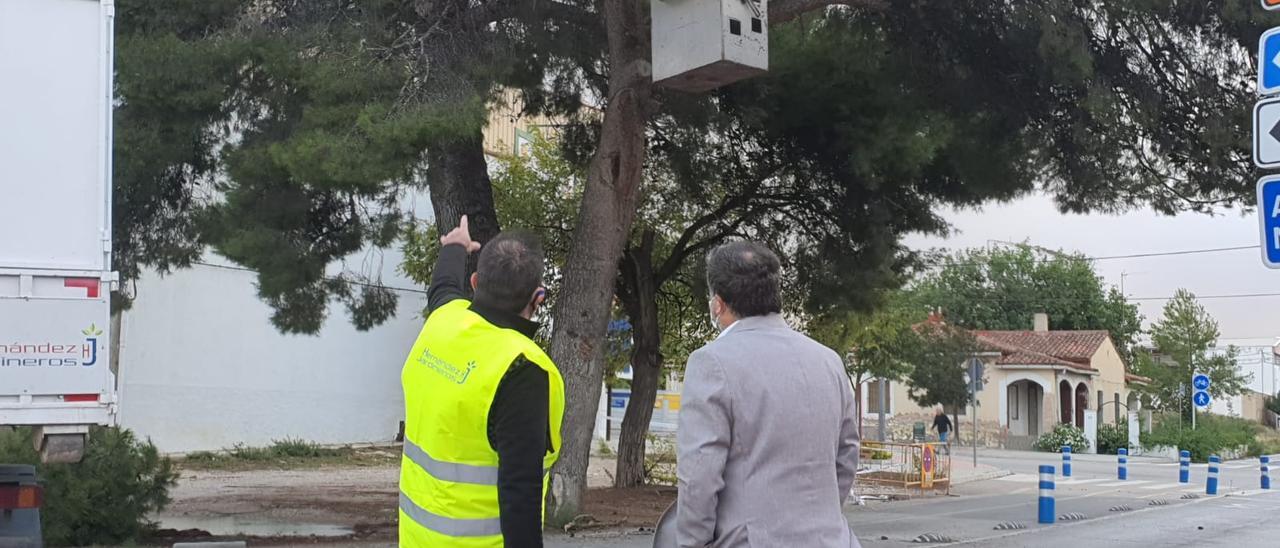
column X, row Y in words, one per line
column 781, row 11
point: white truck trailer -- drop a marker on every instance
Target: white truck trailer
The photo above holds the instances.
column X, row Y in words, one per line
column 55, row 221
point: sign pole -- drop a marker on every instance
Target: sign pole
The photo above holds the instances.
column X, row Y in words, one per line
column 973, row 404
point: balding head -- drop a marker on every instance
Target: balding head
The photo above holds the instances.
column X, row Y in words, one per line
column 509, row 271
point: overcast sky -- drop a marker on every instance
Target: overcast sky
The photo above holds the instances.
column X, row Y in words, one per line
column 1243, row 321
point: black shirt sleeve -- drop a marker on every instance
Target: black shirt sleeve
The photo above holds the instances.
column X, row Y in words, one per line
column 448, row 280
column 519, row 432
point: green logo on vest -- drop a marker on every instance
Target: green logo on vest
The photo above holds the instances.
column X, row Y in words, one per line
column 455, row 374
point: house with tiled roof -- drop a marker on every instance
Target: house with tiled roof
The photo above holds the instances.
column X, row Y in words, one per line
column 1035, row 379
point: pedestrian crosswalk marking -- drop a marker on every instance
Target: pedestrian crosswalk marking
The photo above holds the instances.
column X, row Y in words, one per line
column 1073, row 481
column 1162, row 486
column 1128, row 483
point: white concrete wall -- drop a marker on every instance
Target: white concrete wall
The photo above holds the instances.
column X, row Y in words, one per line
column 202, row 368
column 1231, row 406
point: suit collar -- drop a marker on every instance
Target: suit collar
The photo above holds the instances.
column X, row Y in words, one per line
column 767, row 321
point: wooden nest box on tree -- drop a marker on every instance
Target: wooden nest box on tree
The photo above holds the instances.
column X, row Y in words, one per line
column 700, row 45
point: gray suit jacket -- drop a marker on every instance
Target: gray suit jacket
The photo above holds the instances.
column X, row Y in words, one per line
column 768, row 441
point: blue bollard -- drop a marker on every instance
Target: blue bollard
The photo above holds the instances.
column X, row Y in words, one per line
column 1211, row 487
column 1266, row 471
column 1184, row 467
column 1046, row 494
column 1066, row 461
column 1123, row 471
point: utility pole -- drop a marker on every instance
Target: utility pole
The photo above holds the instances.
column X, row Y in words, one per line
column 1263, row 365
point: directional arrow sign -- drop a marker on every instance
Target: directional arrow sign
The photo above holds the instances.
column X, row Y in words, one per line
column 1200, row 381
column 1269, row 62
column 1201, row 399
column 1266, row 133
column 1269, row 219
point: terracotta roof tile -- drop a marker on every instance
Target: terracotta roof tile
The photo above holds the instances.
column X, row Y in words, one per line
column 1073, row 349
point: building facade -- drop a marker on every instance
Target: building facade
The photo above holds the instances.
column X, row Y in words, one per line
column 1033, row 380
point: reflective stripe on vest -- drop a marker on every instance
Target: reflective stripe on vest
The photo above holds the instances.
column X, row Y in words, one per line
column 449, row 526
column 449, row 471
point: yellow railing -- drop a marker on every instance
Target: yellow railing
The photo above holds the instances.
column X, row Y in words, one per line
column 905, row 467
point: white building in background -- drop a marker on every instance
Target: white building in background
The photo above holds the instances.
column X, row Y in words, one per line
column 1261, row 366
column 201, row 367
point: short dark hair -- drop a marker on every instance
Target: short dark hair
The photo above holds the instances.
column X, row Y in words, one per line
column 510, row 270
column 747, row 276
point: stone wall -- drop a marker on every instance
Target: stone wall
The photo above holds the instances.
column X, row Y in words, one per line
column 899, row 428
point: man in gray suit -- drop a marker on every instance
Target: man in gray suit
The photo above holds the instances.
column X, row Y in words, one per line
column 768, row 437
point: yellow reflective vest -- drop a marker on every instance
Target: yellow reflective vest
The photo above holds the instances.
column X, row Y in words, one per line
column 449, row 472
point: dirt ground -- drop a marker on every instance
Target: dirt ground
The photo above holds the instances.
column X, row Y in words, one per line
column 354, row 503
column 637, row 507
column 328, row 502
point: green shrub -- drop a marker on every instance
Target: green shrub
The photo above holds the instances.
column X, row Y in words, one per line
column 1212, row 436
column 202, row 456
column 300, row 449
column 1063, row 434
column 241, row 451
column 1112, row 437
column 602, row 449
column 660, row 460
column 285, row 452
column 103, row 499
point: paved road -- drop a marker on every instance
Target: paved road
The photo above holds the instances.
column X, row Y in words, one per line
column 1156, row 509
column 1235, row 521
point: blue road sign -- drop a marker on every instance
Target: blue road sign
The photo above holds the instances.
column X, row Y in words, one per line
column 1201, row 399
column 1269, row 62
column 1200, row 381
column 1269, row 219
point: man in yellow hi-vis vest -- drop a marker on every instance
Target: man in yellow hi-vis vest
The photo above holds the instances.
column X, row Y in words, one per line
column 483, row 404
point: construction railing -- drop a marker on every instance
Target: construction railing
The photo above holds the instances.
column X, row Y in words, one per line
column 903, row 468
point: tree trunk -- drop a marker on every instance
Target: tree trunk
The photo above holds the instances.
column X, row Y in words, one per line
column 639, row 296
column 955, row 426
column 458, row 178
column 581, row 313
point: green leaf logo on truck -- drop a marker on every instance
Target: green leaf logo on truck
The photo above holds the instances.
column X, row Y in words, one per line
column 91, row 331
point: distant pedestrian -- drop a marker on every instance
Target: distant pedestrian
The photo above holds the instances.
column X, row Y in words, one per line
column 942, row 423
column 768, row 436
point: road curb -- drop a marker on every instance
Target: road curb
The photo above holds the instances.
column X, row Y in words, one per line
column 994, row 474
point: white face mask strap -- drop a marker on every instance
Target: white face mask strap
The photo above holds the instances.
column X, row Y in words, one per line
column 711, row 309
